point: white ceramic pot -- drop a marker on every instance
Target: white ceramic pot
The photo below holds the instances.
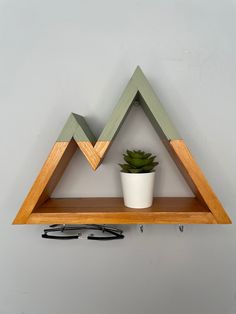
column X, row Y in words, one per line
column 138, row 189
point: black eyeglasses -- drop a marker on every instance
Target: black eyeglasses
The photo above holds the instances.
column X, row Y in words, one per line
column 115, row 233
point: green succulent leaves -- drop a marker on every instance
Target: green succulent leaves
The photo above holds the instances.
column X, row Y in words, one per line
column 138, row 161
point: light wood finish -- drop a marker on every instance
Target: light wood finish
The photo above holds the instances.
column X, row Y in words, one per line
column 76, row 128
column 165, row 210
column 47, row 179
column 101, row 147
column 90, row 153
column 189, row 168
column 76, row 133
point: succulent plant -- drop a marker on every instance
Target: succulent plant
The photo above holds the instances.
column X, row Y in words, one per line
column 138, row 161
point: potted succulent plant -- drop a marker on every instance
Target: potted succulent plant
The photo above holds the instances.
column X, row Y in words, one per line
column 137, row 178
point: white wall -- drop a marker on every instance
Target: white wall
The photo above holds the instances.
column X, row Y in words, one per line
column 63, row 56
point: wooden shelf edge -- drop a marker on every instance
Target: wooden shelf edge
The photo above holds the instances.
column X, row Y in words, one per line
column 39, row 208
column 121, row 218
column 111, row 210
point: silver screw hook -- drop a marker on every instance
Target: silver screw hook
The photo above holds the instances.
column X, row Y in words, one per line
column 181, row 228
column 141, row 228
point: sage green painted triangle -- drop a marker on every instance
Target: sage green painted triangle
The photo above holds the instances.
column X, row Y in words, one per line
column 68, row 130
column 139, row 86
column 153, row 107
column 83, row 132
column 119, row 113
column 76, row 127
column 138, row 90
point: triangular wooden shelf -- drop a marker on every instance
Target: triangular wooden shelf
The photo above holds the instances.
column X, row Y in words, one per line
column 39, row 208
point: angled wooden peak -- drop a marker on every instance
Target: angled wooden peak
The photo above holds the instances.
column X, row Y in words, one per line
column 39, row 208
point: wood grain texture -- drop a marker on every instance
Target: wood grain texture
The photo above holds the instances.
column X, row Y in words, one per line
column 164, row 210
column 189, row 167
column 76, row 133
column 47, row 179
column 101, row 147
column 90, row 153
column 138, row 90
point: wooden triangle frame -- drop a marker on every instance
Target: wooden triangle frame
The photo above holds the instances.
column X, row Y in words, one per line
column 76, row 133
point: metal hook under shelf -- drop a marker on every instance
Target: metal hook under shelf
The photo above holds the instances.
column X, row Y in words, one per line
column 141, row 228
column 181, row 228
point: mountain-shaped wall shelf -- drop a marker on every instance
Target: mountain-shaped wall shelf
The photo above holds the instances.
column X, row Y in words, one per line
column 39, row 208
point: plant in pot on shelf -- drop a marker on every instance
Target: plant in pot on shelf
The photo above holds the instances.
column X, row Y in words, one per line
column 137, row 178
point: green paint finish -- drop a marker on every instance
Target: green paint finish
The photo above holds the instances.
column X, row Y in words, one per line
column 157, row 112
column 68, row 129
column 119, row 113
column 139, row 85
column 77, row 128
column 138, row 88
column 83, row 132
column 152, row 119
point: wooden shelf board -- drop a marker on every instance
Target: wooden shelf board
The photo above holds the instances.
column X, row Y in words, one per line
column 110, row 210
column 39, row 209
